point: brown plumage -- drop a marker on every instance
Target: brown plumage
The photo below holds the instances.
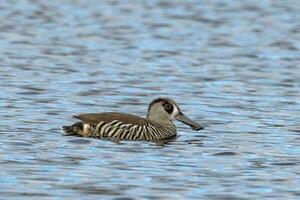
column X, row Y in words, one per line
column 95, row 118
column 158, row 124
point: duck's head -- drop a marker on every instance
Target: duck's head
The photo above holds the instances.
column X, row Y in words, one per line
column 165, row 109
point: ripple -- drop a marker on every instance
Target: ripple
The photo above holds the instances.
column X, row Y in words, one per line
column 79, row 141
column 89, row 189
column 225, row 153
column 284, row 163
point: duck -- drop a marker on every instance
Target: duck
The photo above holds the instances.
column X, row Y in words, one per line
column 156, row 126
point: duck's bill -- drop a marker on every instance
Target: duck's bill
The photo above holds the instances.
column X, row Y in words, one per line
column 184, row 119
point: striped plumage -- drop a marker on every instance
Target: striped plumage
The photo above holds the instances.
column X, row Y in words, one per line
column 157, row 126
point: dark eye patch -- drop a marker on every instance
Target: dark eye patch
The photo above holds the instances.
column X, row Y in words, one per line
column 168, row 107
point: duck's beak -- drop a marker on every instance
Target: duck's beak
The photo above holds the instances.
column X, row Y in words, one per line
column 184, row 119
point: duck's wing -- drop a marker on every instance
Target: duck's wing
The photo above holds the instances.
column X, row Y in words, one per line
column 95, row 118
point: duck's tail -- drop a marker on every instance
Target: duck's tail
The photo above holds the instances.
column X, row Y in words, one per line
column 75, row 129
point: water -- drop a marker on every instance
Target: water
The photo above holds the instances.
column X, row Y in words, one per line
column 231, row 65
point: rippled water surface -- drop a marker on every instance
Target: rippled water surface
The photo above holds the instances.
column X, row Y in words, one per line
column 234, row 66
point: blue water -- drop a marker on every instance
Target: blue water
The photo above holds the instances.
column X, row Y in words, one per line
column 233, row 66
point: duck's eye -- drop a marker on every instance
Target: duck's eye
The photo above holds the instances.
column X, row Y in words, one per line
column 168, row 106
